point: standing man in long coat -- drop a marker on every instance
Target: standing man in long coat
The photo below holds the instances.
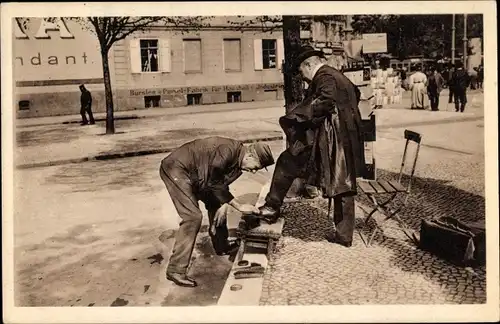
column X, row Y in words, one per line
column 202, row 170
column 326, row 144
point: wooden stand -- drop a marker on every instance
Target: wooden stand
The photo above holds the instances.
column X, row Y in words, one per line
column 265, row 236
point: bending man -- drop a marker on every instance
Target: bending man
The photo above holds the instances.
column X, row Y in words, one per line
column 203, row 170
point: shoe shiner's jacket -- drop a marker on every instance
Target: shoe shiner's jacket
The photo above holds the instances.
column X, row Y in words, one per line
column 200, row 170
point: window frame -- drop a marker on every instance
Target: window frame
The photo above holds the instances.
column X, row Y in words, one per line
column 157, row 54
column 194, row 96
column 264, row 50
column 232, row 95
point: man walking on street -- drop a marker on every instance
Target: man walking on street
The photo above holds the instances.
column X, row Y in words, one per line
column 86, row 106
column 460, row 82
column 326, row 145
column 450, row 85
column 480, row 76
column 202, row 170
column 434, row 87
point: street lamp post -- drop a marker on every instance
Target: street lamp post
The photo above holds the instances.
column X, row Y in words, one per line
column 465, row 41
column 453, row 40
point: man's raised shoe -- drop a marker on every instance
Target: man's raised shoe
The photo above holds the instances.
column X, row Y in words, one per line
column 266, row 211
column 269, row 214
column 181, row 280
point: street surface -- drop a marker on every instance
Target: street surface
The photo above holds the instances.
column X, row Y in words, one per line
column 99, row 233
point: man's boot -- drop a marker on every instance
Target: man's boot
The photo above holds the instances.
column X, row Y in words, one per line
column 181, row 279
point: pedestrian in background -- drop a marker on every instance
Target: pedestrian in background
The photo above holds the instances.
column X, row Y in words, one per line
column 86, row 106
column 417, row 83
column 460, row 82
column 473, row 78
column 480, row 76
column 450, row 86
column 202, row 170
column 404, row 80
column 434, row 87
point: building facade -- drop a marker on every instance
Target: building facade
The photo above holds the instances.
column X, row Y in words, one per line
column 50, row 60
column 158, row 68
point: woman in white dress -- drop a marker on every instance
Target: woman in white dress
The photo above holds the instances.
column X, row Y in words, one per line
column 418, row 85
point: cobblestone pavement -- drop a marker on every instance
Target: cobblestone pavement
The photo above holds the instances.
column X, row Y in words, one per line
column 308, row 270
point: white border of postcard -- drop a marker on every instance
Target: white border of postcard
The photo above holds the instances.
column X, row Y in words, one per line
column 365, row 313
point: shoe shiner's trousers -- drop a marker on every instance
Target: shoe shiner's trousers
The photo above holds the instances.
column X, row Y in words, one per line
column 185, row 202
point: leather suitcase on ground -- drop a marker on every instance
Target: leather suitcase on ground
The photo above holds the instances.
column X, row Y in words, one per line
column 460, row 243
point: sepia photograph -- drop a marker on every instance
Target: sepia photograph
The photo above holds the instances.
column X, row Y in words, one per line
column 181, row 160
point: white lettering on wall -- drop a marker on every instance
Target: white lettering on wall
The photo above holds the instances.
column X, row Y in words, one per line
column 57, row 24
column 19, row 31
column 46, row 24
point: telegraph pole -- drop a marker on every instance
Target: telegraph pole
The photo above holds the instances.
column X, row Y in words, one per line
column 453, row 40
column 465, row 42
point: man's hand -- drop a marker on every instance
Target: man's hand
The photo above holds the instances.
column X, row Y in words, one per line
column 219, row 218
column 249, row 209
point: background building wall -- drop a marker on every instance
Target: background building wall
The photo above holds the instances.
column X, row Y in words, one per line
column 70, row 56
column 173, row 83
column 50, row 61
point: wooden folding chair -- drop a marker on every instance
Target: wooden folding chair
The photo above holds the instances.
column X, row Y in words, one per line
column 375, row 188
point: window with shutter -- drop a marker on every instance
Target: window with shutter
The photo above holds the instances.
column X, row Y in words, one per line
column 280, row 52
column 165, row 56
column 192, row 55
column 269, row 54
column 232, row 54
column 149, row 55
column 135, row 56
column 257, row 54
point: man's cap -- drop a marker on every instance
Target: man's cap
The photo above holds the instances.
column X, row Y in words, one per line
column 306, row 52
column 264, row 154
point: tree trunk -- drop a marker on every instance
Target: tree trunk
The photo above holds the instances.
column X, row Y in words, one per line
column 110, row 121
column 293, row 83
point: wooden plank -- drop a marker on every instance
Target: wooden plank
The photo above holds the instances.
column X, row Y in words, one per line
column 365, row 186
column 378, row 188
column 251, row 288
column 397, row 186
column 258, row 245
column 386, row 186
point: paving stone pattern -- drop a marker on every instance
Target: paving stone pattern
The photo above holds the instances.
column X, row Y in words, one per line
column 308, row 270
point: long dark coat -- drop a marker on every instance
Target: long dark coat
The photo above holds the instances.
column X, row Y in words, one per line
column 327, row 123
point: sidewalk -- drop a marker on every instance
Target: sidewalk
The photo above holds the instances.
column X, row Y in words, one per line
column 48, row 141
column 149, row 113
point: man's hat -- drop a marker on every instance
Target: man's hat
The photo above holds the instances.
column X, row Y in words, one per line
column 264, row 154
column 306, row 52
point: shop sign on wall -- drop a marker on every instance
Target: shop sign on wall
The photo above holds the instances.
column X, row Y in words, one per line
column 375, row 43
column 205, row 89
